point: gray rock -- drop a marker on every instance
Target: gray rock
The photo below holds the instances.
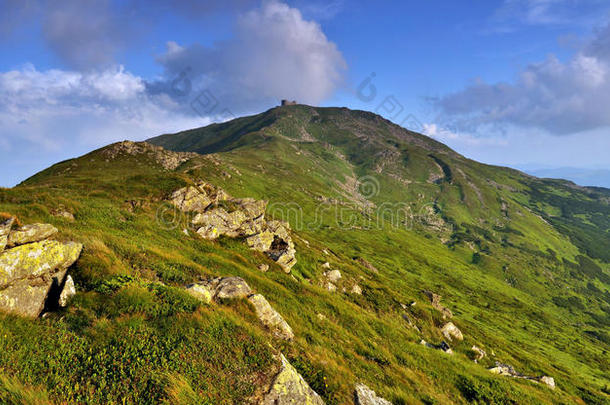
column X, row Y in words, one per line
column 67, row 292
column 30, row 233
column 270, row 317
column 435, row 300
column 227, row 287
column 450, row 331
column 366, row 396
column 550, row 381
column 479, row 353
column 289, row 388
column 28, row 272
column 263, row 267
column 333, row 276
column 5, row 229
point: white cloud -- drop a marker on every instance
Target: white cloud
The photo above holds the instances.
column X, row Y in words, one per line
column 54, row 110
column 275, row 53
column 559, row 97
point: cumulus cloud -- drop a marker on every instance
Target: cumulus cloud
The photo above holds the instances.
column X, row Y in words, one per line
column 59, row 110
column 275, row 53
column 558, row 97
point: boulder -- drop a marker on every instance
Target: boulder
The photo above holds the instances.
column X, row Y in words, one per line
column 28, row 272
column 5, row 229
column 30, row 233
column 326, row 265
column 270, row 317
column 221, row 288
column 451, row 331
column 366, row 396
column 333, row 276
column 263, row 267
column 443, row 346
column 197, row 198
column 356, row 289
column 289, row 388
column 550, row 381
column 67, row 292
column 62, row 213
column 201, row 292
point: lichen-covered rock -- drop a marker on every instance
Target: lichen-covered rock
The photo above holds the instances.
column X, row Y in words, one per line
column 289, row 388
column 366, row 396
column 356, row 289
column 201, row 292
column 270, row 317
column 450, row 331
column 28, row 272
column 5, row 229
column 169, row 160
column 30, row 233
column 67, row 292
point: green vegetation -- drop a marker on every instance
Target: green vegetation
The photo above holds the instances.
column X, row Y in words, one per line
column 522, row 263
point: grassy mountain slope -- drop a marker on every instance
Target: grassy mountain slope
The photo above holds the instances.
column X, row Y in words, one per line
column 521, row 262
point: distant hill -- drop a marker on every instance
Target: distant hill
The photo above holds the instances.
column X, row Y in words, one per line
column 580, row 176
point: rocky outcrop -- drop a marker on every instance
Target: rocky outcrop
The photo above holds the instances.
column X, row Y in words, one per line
column 450, row 331
column 270, row 317
column 333, row 276
column 29, row 272
column 218, row 214
column 366, row 396
column 30, row 233
column 507, row 370
column 289, row 388
column 219, row 288
column 167, row 159
column 435, row 300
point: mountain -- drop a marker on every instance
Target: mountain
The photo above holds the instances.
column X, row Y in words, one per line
column 400, row 263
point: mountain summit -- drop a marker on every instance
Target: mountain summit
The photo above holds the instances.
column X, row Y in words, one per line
column 308, row 255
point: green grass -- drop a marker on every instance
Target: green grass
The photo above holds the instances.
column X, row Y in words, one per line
column 535, row 296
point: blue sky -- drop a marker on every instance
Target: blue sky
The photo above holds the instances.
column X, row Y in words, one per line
column 524, row 83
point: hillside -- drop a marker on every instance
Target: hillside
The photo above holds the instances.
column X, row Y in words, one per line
column 522, row 265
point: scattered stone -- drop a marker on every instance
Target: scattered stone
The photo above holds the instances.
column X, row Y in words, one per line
column 5, row 228
column 435, row 300
column 289, row 388
column 507, row 370
column 366, row 396
column 451, row 331
column 200, row 292
column 270, row 317
column 443, row 346
column 28, row 272
column 356, row 289
column 30, row 233
column 330, row 286
column 550, row 381
column 326, row 265
column 321, row 317
column 67, row 292
column 479, row 353
column 333, row 276
column 62, row 213
column 263, row 267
